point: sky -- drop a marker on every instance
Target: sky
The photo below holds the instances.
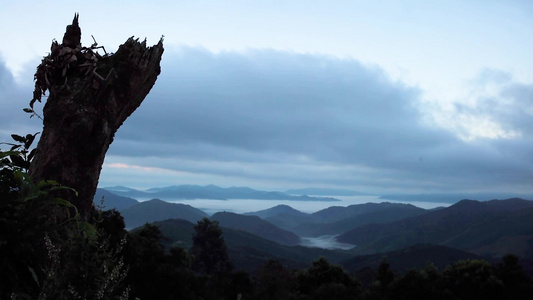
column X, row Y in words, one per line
column 376, row 96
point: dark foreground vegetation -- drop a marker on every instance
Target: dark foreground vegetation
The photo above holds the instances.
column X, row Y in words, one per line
column 205, row 272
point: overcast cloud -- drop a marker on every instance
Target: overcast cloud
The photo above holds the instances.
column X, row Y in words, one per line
column 296, row 119
column 13, row 98
column 272, row 119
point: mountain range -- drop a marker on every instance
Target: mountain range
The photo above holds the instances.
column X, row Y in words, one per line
column 324, row 192
column 336, row 219
column 210, row 192
column 489, row 228
column 452, row 198
column 467, row 229
column 248, row 252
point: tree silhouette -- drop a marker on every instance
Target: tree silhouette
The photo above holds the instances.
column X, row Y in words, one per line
column 326, row 281
column 209, row 249
column 473, row 279
column 273, row 281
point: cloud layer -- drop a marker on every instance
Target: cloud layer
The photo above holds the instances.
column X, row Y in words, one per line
column 13, row 98
column 275, row 119
column 306, row 119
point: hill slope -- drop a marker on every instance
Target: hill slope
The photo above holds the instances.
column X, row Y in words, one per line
column 247, row 251
column 480, row 227
column 276, row 211
column 337, row 219
column 416, row 256
column 256, row 226
column 157, row 210
column 338, row 213
column 113, row 201
column 283, row 216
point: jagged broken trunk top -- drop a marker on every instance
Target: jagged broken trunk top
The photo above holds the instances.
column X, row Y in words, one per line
column 90, row 96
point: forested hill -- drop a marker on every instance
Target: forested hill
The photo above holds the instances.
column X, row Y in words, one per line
column 109, row 200
column 336, row 219
column 490, row 228
column 155, row 210
column 257, row 226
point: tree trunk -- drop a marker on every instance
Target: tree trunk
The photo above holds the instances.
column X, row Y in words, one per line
column 90, row 96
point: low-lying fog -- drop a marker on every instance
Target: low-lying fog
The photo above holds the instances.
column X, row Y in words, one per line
column 325, row 241
column 251, row 205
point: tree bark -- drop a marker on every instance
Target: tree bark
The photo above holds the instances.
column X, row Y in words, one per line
column 90, row 96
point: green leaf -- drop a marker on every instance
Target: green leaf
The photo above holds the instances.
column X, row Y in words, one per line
column 64, row 188
column 7, row 153
column 18, row 161
column 18, row 138
column 67, row 205
column 32, row 154
column 47, row 184
column 15, row 147
column 61, row 201
column 18, row 175
column 52, row 182
column 28, row 110
column 89, row 230
column 41, row 184
column 29, row 140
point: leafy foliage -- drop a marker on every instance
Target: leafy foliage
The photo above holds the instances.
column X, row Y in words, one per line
column 172, row 274
column 155, row 274
column 46, row 252
column 473, row 279
column 85, row 266
column 28, row 211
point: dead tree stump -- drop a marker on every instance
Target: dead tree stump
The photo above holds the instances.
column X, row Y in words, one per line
column 89, row 97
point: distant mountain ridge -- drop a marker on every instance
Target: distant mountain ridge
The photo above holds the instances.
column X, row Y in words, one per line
column 277, row 210
column 283, row 216
column 324, row 192
column 489, row 228
column 338, row 213
column 336, row 219
column 210, row 192
column 452, row 198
